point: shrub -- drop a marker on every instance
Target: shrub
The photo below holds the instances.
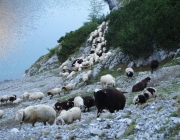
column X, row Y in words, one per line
column 145, row 26
column 72, row 41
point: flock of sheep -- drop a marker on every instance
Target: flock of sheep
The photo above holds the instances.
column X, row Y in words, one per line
column 109, row 97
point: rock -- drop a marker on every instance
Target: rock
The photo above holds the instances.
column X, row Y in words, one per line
column 14, row 130
column 96, row 131
column 175, row 120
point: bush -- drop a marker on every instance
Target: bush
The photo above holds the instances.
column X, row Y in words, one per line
column 72, row 41
column 142, row 26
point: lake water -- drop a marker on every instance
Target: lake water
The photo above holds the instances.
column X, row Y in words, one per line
column 28, row 28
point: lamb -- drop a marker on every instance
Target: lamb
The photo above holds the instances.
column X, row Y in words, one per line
column 110, row 99
column 78, row 102
column 36, row 96
column 17, row 101
column 129, row 72
column 68, row 117
column 38, row 113
column 141, row 85
column 25, row 95
column 12, row 98
column 1, row 113
column 53, row 92
column 154, row 65
column 107, row 79
column 68, row 87
column 4, row 98
column 88, row 102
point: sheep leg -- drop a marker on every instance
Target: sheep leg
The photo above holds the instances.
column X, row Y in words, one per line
column 44, row 123
column 20, row 125
column 99, row 112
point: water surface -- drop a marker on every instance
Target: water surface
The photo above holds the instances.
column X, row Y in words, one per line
column 29, row 27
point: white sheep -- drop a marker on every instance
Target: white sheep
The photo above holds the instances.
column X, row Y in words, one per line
column 129, row 72
column 17, row 101
column 89, row 73
column 1, row 113
column 63, row 64
column 68, row 117
column 71, row 74
column 25, row 95
column 85, row 77
column 68, row 87
column 38, row 113
column 36, row 96
column 4, row 98
column 79, row 102
column 53, row 92
column 64, row 74
column 107, row 79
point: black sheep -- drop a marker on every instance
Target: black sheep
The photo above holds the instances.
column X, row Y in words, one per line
column 88, row 102
column 154, row 65
column 110, row 99
column 65, row 105
column 141, row 85
column 12, row 98
column 139, row 99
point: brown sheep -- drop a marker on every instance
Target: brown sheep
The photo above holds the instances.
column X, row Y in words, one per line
column 110, row 99
column 141, row 85
column 154, row 65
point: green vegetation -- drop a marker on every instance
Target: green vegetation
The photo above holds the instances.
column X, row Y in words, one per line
column 73, row 40
column 130, row 129
column 143, row 26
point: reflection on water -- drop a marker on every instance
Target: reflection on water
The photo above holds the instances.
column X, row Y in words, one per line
column 29, row 27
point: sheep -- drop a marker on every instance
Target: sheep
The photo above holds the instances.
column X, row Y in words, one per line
column 4, row 98
column 88, row 102
column 68, row 117
column 139, row 99
column 68, row 87
column 70, row 74
column 141, row 85
column 25, row 95
column 12, row 98
column 53, row 92
column 64, row 74
column 110, row 99
column 84, row 77
column 79, row 102
column 1, row 113
column 36, row 96
column 146, row 94
column 154, row 65
column 107, row 79
column 38, row 113
column 65, row 105
column 150, row 90
column 89, row 73
column 63, row 64
column 129, row 72
column 17, row 101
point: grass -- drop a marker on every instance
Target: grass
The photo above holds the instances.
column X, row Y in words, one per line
column 130, row 129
